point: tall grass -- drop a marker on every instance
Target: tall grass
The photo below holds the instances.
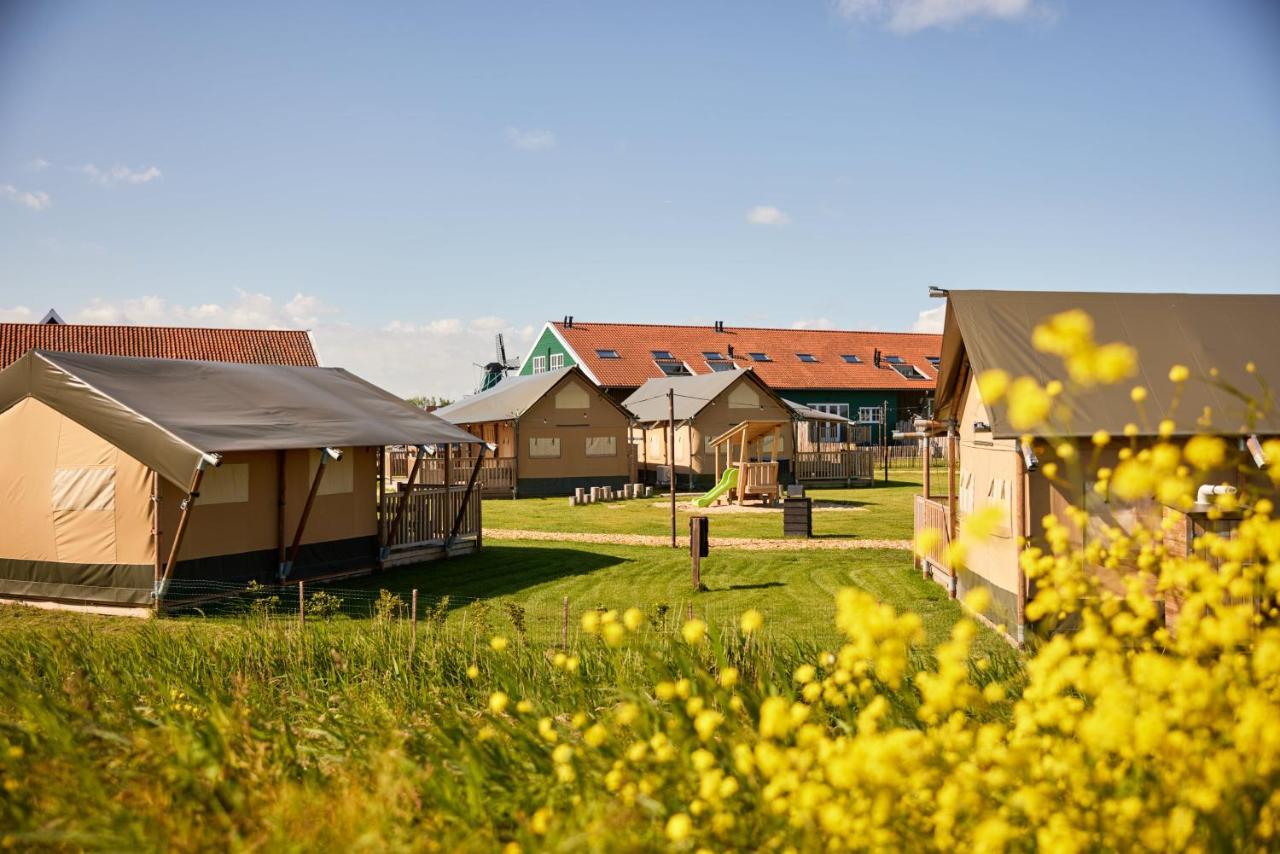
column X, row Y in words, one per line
column 336, row 735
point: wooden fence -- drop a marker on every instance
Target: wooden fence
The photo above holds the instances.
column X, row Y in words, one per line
column 932, row 515
column 497, row 474
column 429, row 515
column 845, row 464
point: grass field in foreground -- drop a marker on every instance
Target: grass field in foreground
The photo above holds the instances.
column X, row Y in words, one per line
column 794, row 590
column 882, row 511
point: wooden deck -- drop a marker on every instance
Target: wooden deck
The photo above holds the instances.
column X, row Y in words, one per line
column 426, row 527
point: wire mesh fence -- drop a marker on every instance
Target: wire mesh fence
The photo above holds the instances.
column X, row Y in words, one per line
column 535, row 621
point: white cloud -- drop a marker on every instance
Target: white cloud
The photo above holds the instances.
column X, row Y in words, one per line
column 813, row 323
column 37, row 200
column 434, row 357
column 17, row 314
column 120, row 174
column 911, row 16
column 38, row 164
column 766, row 215
column 531, row 139
column 930, row 320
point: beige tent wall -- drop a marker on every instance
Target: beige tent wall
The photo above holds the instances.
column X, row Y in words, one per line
column 741, row 401
column 987, row 477
column 67, row 495
column 574, row 411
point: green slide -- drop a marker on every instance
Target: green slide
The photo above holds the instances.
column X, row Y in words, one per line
column 727, row 482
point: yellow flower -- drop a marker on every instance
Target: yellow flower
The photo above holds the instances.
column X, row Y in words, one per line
column 728, row 677
column 524, row 707
column 992, row 385
column 679, row 826
column 473, row 672
column 752, row 620
column 562, row 754
column 1101, row 438
column 1114, row 362
column 595, row 735
column 614, row 634
column 591, row 622
column 633, row 619
column 706, row 722
column 540, row 823
column 1166, row 428
column 1179, row 374
column 1064, row 334
column 805, row 673
column 693, row 632
column 1053, row 388
column 1205, row 452
column 1137, row 394
column 498, row 702
column 1028, row 404
column 498, row 643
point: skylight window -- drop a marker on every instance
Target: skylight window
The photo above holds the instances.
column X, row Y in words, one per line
column 760, row 357
column 719, row 365
column 935, row 360
column 661, row 355
column 894, row 360
column 672, row 368
column 851, row 359
column 607, row 354
column 713, row 355
column 908, row 372
column 806, row 357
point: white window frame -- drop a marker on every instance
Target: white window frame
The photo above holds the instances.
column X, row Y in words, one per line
column 869, row 414
column 557, row 361
column 539, row 364
column 555, row 440
column 610, row 441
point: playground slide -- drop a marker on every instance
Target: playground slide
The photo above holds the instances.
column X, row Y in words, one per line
column 727, row 482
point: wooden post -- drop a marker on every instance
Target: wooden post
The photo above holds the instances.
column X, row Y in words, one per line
column 280, row 506
column 302, row 608
column 696, row 525
column 466, row 496
column 564, row 623
column 193, row 492
column 306, row 514
column 1020, row 540
column 515, row 459
column 155, row 527
column 742, row 467
column 394, row 532
column 413, row 620
column 884, row 436
column 926, row 452
column 952, row 466
column 381, row 495
column 671, row 457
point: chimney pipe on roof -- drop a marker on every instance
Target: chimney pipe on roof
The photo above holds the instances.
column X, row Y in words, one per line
column 719, row 326
column 568, row 321
column 876, row 358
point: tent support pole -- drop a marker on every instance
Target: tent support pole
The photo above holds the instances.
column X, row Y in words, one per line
column 280, row 496
column 193, row 492
column 155, row 526
column 466, row 496
column 394, row 532
column 287, row 566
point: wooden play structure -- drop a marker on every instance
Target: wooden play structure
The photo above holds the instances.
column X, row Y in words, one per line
column 750, row 454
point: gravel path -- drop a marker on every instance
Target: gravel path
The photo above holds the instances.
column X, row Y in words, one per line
column 744, row 543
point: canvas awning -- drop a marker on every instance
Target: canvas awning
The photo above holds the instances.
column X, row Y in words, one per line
column 170, row 413
column 808, row 413
column 992, row 329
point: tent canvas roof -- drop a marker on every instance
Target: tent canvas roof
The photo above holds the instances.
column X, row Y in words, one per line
column 808, row 413
column 649, row 402
column 510, row 398
column 992, row 329
column 171, row 413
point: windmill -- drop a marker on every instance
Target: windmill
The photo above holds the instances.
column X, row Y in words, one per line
column 494, row 371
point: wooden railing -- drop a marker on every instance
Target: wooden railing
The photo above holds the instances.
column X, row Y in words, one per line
column 497, row 474
column 429, row 515
column 847, row 464
column 932, row 515
column 760, row 478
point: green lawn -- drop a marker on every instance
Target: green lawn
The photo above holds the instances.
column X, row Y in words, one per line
column 795, row 590
column 882, row 511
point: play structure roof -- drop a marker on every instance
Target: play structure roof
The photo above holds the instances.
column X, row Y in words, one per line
column 251, row 346
column 171, row 413
column 634, row 364
column 993, row 329
column 510, row 398
column 692, row 394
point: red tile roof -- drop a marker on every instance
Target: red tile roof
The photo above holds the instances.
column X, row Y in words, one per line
column 250, row 346
column 635, row 341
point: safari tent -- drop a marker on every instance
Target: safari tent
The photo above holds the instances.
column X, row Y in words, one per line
column 127, row 478
column 990, row 465
column 554, row 431
column 705, row 408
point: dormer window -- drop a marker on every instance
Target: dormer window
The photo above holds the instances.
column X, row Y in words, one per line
column 673, row 367
column 908, row 372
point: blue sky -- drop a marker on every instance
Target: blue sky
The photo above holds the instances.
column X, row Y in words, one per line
column 408, row 180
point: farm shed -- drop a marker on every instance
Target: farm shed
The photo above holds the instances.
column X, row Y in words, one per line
column 990, row 466
column 554, row 431
column 127, row 479
column 706, row 406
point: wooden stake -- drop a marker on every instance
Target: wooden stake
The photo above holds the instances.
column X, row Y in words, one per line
column 413, row 620
column 306, row 514
column 193, row 492
column 671, row 458
column 564, row 623
column 302, row 609
column 466, row 496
